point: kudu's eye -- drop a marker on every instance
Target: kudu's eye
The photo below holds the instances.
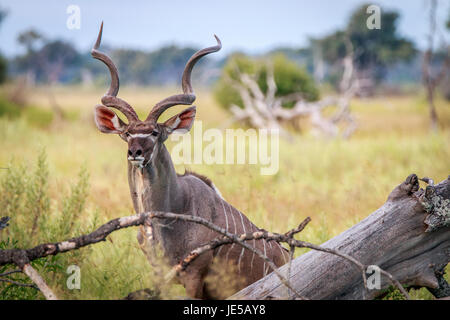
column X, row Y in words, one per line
column 154, row 133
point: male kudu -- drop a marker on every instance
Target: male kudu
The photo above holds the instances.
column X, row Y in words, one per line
column 155, row 185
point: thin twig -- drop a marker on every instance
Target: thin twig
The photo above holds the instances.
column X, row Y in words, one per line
column 10, row 272
column 290, row 234
column 301, row 226
column 20, row 284
column 291, row 257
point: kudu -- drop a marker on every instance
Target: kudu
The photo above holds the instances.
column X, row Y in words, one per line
column 155, row 185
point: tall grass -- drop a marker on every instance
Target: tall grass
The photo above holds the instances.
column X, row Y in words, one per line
column 335, row 182
column 36, row 219
column 24, row 197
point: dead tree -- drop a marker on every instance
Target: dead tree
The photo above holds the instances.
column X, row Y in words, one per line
column 409, row 237
column 431, row 80
column 265, row 110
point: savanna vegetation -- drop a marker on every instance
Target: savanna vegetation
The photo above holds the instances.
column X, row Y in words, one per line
column 63, row 178
column 60, row 177
column 288, row 76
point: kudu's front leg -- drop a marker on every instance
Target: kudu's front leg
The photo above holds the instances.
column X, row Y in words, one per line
column 193, row 283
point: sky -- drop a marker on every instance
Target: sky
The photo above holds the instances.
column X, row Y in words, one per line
column 248, row 25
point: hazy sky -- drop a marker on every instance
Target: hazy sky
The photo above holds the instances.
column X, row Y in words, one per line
column 250, row 25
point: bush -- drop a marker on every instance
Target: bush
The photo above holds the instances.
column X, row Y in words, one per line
column 24, row 196
column 8, row 109
column 38, row 117
column 35, row 116
column 289, row 78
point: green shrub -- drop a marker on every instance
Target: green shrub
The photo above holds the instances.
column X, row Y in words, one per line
column 38, row 117
column 35, row 116
column 24, row 196
column 8, row 109
column 288, row 76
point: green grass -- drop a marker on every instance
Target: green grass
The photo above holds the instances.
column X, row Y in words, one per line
column 35, row 116
column 335, row 182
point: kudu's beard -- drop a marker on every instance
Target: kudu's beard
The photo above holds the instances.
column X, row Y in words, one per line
column 137, row 161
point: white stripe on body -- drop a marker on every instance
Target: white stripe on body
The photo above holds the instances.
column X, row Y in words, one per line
column 217, row 191
column 226, row 222
column 234, row 222
column 253, row 256
column 242, row 252
column 282, row 252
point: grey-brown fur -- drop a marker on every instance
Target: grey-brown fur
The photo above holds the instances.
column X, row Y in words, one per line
column 155, row 186
column 194, row 194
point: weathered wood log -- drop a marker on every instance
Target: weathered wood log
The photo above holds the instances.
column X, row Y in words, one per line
column 409, row 237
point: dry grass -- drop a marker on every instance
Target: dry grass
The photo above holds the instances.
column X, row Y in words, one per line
column 335, row 182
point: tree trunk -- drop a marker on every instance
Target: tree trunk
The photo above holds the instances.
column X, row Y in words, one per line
column 409, row 237
column 432, row 108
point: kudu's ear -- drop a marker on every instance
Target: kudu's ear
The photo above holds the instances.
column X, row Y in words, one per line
column 182, row 122
column 107, row 120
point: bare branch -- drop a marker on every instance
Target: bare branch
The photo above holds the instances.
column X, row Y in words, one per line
column 10, row 272
column 40, row 283
column 291, row 257
column 299, row 229
column 23, row 256
column 20, row 284
column 290, row 234
column 271, row 86
column 265, row 110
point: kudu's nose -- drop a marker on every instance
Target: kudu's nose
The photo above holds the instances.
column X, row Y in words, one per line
column 134, row 152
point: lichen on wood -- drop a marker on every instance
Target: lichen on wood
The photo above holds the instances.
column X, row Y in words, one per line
column 438, row 210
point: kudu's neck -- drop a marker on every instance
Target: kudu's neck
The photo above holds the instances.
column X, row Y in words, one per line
column 155, row 187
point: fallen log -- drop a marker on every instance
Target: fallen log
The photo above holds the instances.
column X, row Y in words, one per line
column 409, row 237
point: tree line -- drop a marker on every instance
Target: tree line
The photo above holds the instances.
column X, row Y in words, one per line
column 378, row 55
